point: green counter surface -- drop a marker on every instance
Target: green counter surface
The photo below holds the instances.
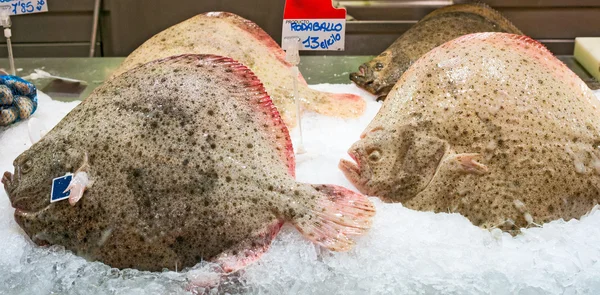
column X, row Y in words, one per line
column 316, row 70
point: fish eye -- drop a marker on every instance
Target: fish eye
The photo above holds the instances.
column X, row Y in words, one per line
column 375, row 155
column 379, row 66
column 26, row 167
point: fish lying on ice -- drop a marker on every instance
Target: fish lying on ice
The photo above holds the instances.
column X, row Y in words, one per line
column 489, row 125
column 227, row 34
column 189, row 161
column 379, row 75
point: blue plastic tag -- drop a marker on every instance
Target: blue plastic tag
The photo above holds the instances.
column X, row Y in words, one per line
column 59, row 185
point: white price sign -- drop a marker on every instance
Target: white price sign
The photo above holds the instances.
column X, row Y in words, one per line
column 315, row 34
column 18, row 7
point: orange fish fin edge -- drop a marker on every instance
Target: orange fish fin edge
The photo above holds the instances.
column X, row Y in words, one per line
column 339, row 213
column 254, row 30
column 235, row 259
column 346, row 105
column 250, row 250
column 263, row 104
column 259, row 99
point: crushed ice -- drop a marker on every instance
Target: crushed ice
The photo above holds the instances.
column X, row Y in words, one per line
column 406, row 251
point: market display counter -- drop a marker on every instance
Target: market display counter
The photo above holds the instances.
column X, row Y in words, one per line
column 316, row 70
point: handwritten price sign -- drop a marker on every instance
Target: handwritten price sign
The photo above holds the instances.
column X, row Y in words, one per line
column 321, row 34
column 313, row 23
column 18, row 7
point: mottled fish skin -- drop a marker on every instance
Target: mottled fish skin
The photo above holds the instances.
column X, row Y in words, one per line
column 227, row 34
column 190, row 161
column 489, row 125
column 379, row 75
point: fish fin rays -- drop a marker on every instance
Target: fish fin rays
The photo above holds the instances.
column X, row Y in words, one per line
column 77, row 187
column 249, row 251
column 80, row 182
column 261, row 102
column 344, row 105
column 340, row 213
column 468, row 164
column 229, row 262
column 245, row 88
column 253, row 29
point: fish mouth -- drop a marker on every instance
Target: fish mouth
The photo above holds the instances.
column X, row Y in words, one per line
column 21, row 213
column 8, row 180
column 363, row 78
column 350, row 169
column 20, row 200
column 353, row 172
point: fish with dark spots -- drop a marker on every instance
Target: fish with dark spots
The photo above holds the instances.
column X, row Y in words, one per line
column 508, row 139
column 379, row 75
column 157, row 197
column 247, row 43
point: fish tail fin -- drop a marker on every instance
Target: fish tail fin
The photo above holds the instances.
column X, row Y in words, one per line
column 344, row 105
column 339, row 213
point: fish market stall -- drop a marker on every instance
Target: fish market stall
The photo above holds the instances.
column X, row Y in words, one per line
column 316, row 69
column 468, row 165
column 408, row 251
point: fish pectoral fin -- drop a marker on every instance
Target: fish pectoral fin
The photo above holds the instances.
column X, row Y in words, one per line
column 80, row 182
column 467, row 163
column 77, row 187
column 85, row 166
column 339, row 213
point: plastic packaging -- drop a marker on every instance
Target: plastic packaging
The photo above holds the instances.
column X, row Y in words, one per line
column 18, row 99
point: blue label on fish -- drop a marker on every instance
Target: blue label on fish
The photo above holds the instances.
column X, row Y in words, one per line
column 59, row 185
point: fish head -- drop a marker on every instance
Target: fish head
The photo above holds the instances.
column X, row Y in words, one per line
column 29, row 186
column 372, row 155
column 379, row 75
column 393, row 164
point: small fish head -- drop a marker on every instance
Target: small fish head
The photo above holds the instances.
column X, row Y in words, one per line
column 393, row 164
column 377, row 76
column 371, row 173
column 29, row 187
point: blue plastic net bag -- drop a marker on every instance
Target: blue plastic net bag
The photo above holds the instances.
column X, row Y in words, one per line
column 18, row 100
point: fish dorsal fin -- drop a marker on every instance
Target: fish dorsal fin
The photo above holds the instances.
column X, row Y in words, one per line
column 250, row 92
column 481, row 9
column 261, row 101
column 530, row 47
column 254, row 30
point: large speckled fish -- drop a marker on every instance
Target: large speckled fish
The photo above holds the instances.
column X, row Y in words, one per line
column 227, row 34
column 189, row 161
column 379, row 75
column 489, row 125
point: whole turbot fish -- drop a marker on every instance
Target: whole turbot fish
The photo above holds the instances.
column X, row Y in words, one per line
column 379, row 75
column 489, row 125
column 189, row 161
column 227, row 34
